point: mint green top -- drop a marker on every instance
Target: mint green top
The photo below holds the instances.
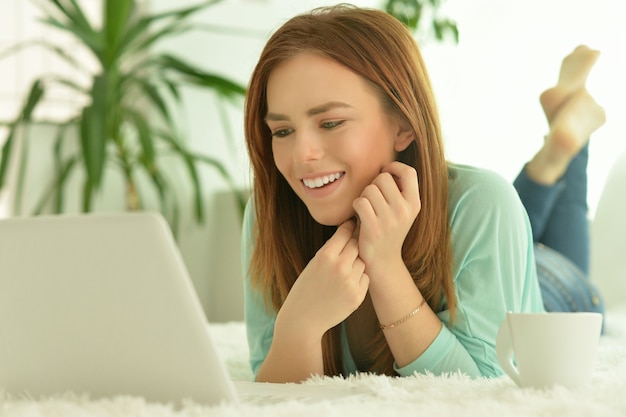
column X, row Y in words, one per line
column 494, row 272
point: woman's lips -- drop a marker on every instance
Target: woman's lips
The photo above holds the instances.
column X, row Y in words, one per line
column 322, row 186
column 322, row 180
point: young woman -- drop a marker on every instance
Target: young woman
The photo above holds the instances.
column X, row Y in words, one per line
column 364, row 249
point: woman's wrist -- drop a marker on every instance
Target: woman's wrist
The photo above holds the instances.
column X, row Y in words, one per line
column 386, row 271
column 299, row 327
column 394, row 292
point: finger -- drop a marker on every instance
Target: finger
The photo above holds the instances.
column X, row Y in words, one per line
column 389, row 189
column 357, row 227
column 406, row 178
column 364, row 210
column 360, row 290
column 341, row 237
column 358, row 266
column 374, row 194
column 364, row 283
column 351, row 250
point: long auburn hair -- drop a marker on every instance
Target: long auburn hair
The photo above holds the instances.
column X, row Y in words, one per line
column 380, row 49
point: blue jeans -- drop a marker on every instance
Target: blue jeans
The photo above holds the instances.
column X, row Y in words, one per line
column 558, row 217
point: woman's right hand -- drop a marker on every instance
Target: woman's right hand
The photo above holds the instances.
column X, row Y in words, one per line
column 329, row 289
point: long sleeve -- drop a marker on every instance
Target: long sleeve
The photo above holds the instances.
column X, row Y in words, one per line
column 259, row 321
column 494, row 272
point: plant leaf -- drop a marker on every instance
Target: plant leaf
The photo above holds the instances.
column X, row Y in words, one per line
column 145, row 139
column 35, row 95
column 194, row 75
column 191, row 158
column 173, row 88
column 76, row 24
column 219, row 167
column 74, row 13
column 408, row 12
column 443, row 26
column 92, row 41
column 87, row 196
column 117, row 15
column 192, row 170
column 141, row 27
column 197, row 187
column 40, row 42
column 67, row 57
column 152, row 93
column 69, row 83
column 93, row 134
column 175, row 28
column 55, row 190
column 62, row 169
column 167, row 199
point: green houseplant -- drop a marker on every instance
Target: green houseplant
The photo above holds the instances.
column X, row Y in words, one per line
column 415, row 14
column 127, row 119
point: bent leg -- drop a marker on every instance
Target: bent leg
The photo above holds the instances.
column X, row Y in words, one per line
column 567, row 229
column 558, row 212
column 553, row 185
column 539, row 200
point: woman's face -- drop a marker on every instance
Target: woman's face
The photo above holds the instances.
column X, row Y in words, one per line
column 330, row 133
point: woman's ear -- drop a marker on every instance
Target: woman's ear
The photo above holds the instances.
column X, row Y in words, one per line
column 404, row 136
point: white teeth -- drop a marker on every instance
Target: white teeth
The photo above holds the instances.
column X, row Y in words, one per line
column 321, row 181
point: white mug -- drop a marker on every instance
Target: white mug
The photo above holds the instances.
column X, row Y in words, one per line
column 541, row 350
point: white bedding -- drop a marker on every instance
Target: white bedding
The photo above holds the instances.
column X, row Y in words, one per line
column 369, row 395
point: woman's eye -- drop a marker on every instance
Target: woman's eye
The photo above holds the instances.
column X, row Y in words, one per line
column 281, row 133
column 332, row 124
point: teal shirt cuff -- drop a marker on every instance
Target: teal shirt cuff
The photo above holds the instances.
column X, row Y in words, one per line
column 443, row 355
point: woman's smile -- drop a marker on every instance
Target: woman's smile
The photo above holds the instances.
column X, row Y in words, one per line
column 320, row 181
column 322, row 186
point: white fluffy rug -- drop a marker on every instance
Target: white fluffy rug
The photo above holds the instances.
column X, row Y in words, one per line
column 369, row 395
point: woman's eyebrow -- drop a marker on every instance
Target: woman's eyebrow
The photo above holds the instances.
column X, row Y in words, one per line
column 326, row 107
column 322, row 108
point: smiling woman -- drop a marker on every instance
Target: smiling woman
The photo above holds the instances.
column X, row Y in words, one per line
column 298, row 75
column 367, row 251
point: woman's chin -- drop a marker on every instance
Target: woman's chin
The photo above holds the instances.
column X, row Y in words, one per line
column 331, row 219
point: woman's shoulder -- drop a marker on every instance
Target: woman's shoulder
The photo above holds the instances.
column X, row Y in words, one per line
column 465, row 177
column 479, row 186
column 481, row 196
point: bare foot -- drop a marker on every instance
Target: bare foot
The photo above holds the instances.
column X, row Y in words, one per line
column 574, row 123
column 575, row 69
column 570, row 130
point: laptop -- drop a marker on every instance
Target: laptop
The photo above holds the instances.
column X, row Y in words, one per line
column 102, row 305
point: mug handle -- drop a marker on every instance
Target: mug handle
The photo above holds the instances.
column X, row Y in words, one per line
column 504, row 350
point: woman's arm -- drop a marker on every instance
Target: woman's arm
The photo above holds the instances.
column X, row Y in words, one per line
column 494, row 266
column 328, row 290
column 387, row 208
column 493, row 272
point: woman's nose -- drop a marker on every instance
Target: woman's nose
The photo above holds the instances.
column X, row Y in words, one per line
column 308, row 147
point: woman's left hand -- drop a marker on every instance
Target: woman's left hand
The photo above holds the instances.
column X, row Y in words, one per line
column 386, row 211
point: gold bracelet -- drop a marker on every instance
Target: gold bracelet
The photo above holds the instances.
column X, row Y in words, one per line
column 403, row 319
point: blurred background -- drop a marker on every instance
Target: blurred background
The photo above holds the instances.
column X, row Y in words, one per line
column 487, row 87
